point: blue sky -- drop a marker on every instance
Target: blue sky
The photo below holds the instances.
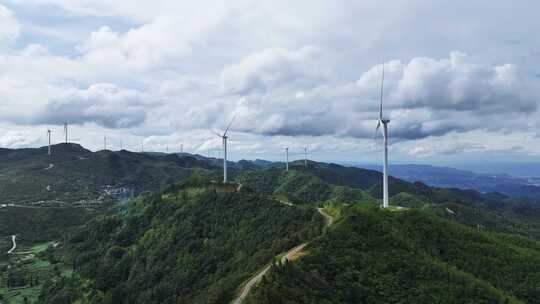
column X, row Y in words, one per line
column 461, row 78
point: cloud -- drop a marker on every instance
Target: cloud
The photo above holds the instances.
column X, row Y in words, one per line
column 270, row 69
column 452, row 149
column 424, row 97
column 456, row 84
column 15, row 139
column 304, row 70
column 9, row 27
column 105, row 104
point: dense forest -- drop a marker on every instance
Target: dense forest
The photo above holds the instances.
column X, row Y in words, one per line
column 34, row 225
column 374, row 256
column 193, row 243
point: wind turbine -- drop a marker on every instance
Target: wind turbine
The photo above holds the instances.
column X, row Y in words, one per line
column 287, row 159
column 66, row 131
column 224, row 138
column 305, row 156
column 384, row 123
column 49, row 135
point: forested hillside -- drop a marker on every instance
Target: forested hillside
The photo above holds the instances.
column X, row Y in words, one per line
column 374, row 256
column 73, row 173
column 194, row 243
column 199, row 241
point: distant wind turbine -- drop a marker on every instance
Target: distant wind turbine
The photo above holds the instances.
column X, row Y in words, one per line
column 66, row 131
column 287, row 159
column 384, row 123
column 49, row 135
column 305, row 156
column 224, row 137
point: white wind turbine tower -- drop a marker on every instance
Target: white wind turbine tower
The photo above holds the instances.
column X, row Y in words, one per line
column 224, row 137
column 305, row 156
column 49, row 135
column 384, row 122
column 287, row 159
column 66, row 131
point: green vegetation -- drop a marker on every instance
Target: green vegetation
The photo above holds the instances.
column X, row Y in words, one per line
column 33, row 225
column 24, row 273
column 78, row 174
column 299, row 186
column 374, row 256
column 194, row 243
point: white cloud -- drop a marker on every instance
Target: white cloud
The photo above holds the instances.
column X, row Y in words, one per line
column 424, row 97
column 305, row 69
column 15, row 139
column 105, row 104
column 9, row 27
column 271, row 69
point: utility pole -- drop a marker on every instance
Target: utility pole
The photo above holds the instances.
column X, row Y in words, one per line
column 305, row 156
column 182, row 148
column 105, row 142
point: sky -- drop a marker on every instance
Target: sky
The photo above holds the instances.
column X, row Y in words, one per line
column 462, row 78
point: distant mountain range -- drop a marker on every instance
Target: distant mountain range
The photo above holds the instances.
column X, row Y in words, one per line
column 455, row 178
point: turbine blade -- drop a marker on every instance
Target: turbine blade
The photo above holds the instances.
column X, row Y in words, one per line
column 217, row 134
column 381, row 96
column 230, row 123
column 377, row 130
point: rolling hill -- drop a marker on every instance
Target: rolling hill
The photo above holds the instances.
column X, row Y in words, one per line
column 183, row 237
column 375, row 256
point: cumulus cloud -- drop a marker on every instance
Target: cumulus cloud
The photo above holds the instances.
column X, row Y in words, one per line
column 9, row 27
column 304, row 69
column 424, row 97
column 161, row 43
column 15, row 139
column 105, row 104
column 270, row 69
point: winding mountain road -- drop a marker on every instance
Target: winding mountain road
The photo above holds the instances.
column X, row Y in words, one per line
column 13, row 240
column 288, row 256
column 328, row 217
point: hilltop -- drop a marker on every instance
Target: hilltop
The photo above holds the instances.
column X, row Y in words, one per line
column 74, row 174
column 195, row 243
